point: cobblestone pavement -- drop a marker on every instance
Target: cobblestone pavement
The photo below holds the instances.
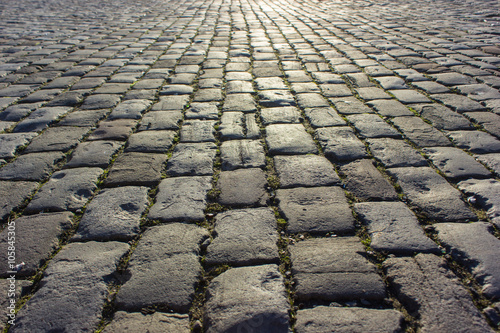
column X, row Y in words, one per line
column 250, row 166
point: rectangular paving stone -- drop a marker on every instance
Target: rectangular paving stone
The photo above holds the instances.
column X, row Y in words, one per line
column 203, row 111
column 433, row 294
column 490, row 121
column 198, row 131
column 181, row 199
column 81, row 118
column 93, row 154
column 36, row 238
column 345, row 320
column 486, row 194
column 192, row 159
column 232, row 126
column 237, row 154
column 335, row 90
column 40, row 119
column 244, row 237
column 390, row 108
column 119, row 129
column 61, row 138
column 239, row 102
column 13, row 194
column 141, row 169
column 99, row 101
column 171, row 249
column 243, row 188
column 372, row 126
column 315, row 210
column 74, row 289
column 18, row 111
column 280, row 115
column 420, row 133
column 171, row 103
column 160, row 120
column 35, row 166
column 455, row 163
column 276, row 98
column 150, row 141
column 394, row 228
column 339, row 271
column 340, row 143
column 477, row 142
column 305, row 171
column 475, row 246
column 364, row 181
column 285, row 139
column 66, row 190
column 432, row 194
column 130, row 109
column 458, row 103
column 442, row 118
column 248, row 299
column 155, row 322
column 350, row 105
column 323, row 117
column 114, row 214
column 311, row 100
column 395, row 153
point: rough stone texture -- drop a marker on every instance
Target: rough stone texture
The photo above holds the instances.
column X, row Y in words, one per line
column 442, row 118
column 198, row 131
column 21, row 289
column 350, row 105
column 489, row 120
column 192, row 159
column 340, row 143
column 93, row 154
column 282, row 115
column 237, row 154
column 66, row 190
column 372, row 126
column 474, row 245
column 74, row 289
column 339, row 271
column 13, row 194
column 114, row 213
column 35, row 166
column 57, row 138
column 476, row 142
column 289, row 139
column 244, row 237
column 458, row 103
column 310, row 210
column 394, row 228
column 491, row 160
column 150, row 141
column 347, row 320
column 456, row 163
column 136, row 169
column 239, row 102
column 247, row 299
column 432, row 194
column 181, row 199
column 420, row 133
column 323, row 117
column 170, row 249
column 433, row 294
column 160, row 120
column 305, row 171
column 157, row 322
column 10, row 142
column 203, row 111
column 366, row 183
column 36, row 238
column 243, row 187
column 119, row 129
column 395, row 153
column 390, row 108
column 40, row 119
column 486, row 194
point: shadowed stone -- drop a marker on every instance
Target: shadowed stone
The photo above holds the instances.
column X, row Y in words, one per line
column 247, row 299
column 83, row 118
column 10, row 142
column 476, row 142
column 13, row 194
column 244, row 237
column 40, row 119
column 119, row 129
column 486, row 194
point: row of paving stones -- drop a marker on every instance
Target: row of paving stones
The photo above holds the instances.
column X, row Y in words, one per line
column 309, row 190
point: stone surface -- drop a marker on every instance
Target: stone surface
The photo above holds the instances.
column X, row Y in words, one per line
column 244, row 237
column 305, row 171
column 323, row 117
column 289, row 139
column 119, row 129
column 310, row 210
column 13, row 195
column 61, row 138
column 192, row 159
column 476, row 142
column 486, row 194
column 350, row 105
column 474, row 245
column 491, row 160
column 114, row 214
column 157, row 322
column 339, row 271
column 35, row 166
column 347, row 320
column 36, row 239
column 420, row 133
column 41, row 118
column 394, row 228
column 181, row 199
column 365, row 182
column 172, row 248
column 458, row 103
column 243, row 187
column 372, row 126
column 281, row 115
column 247, row 299
column 340, row 143
column 93, row 154
column 237, row 154
column 66, row 190
column 150, row 141
column 455, row 163
column 74, row 289
column 160, row 120
column 442, row 118
column 430, row 291
column 432, row 194
column 10, row 142
column 198, row 131
column 136, row 169
column 395, row 153
column 390, row 108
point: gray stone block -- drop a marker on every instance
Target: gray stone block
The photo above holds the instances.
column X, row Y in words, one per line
column 247, row 299
column 281, row 115
column 60, row 138
column 198, row 131
column 310, row 210
column 305, row 171
column 432, row 293
column 93, row 154
column 243, row 187
column 372, row 126
column 150, row 141
column 239, row 102
column 41, row 118
column 157, row 322
column 244, row 237
column 119, row 129
column 339, row 271
column 203, row 111
column 11, row 142
column 285, row 139
column 323, row 117
column 340, row 143
column 350, row 105
column 142, row 169
column 181, row 199
column 395, row 153
column 35, row 166
column 476, row 142
column 458, row 103
column 420, row 133
column 276, row 98
column 442, row 118
column 237, row 154
column 486, row 194
column 455, row 163
column 13, row 195
column 390, row 108
column 130, row 109
column 192, row 159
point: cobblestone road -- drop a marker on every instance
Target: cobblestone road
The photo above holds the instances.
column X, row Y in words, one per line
column 250, row 166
